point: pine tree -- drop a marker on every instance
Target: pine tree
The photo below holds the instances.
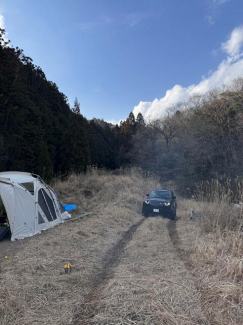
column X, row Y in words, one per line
column 131, row 119
column 140, row 120
column 76, row 107
column 75, row 152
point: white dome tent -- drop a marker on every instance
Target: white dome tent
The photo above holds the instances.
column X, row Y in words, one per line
column 30, row 204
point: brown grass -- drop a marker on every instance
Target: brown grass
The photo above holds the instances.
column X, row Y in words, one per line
column 216, row 244
column 150, row 284
column 33, row 286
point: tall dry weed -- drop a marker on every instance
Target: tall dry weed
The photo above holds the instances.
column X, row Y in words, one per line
column 218, row 255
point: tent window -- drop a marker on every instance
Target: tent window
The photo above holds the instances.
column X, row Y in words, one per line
column 43, row 205
column 29, row 187
column 40, row 219
column 55, row 199
column 50, row 205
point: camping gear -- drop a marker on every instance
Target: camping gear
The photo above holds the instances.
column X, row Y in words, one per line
column 68, row 268
column 31, row 205
column 69, row 207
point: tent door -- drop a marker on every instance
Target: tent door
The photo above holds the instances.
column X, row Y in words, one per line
column 4, row 224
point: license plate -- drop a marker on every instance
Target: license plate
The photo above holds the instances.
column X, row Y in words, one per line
column 155, row 210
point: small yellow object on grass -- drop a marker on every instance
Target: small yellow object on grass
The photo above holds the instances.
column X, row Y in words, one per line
column 6, row 257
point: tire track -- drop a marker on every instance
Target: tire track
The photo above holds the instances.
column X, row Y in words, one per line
column 99, row 280
column 185, row 257
column 150, row 285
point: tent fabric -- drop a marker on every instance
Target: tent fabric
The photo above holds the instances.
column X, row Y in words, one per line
column 29, row 212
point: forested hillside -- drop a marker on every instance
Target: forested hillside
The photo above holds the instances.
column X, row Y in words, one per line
column 39, row 131
column 200, row 140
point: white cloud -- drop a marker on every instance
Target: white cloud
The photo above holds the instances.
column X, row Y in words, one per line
column 213, row 7
column 228, row 70
column 2, row 22
column 235, row 43
column 220, row 2
column 102, row 21
column 131, row 20
column 114, row 122
column 2, row 25
column 134, row 19
column 210, row 20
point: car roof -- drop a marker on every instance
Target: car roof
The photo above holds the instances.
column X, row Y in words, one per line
column 161, row 190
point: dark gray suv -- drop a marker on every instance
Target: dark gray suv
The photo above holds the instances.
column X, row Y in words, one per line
column 160, row 202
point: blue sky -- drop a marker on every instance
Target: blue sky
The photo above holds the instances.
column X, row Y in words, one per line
column 116, row 56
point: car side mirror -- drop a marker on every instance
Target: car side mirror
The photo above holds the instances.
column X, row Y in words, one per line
column 147, row 194
column 174, row 197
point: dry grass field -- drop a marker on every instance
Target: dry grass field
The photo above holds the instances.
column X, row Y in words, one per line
column 127, row 269
column 214, row 246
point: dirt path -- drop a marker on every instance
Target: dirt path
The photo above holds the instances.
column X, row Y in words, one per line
column 145, row 280
column 140, row 276
column 113, row 255
column 109, row 262
column 143, row 277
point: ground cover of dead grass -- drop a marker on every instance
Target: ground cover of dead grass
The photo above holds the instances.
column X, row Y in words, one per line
column 33, row 286
column 215, row 245
column 150, row 286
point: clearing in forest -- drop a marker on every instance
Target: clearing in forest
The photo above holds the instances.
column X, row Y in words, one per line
column 127, row 269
